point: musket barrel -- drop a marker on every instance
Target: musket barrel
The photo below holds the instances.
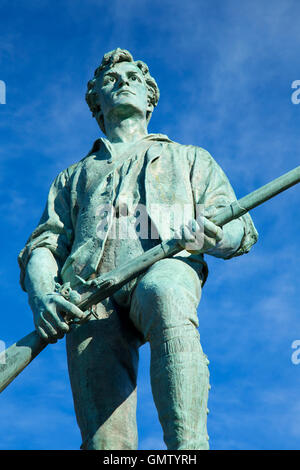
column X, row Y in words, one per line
column 131, row 270
column 257, row 197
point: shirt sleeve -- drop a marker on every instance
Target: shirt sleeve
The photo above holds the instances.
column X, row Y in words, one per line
column 55, row 230
column 212, row 189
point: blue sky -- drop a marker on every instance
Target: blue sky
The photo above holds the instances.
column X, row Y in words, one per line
column 225, row 71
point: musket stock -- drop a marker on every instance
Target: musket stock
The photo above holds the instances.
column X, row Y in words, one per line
column 14, row 359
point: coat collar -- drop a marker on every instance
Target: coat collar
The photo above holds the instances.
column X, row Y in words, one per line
column 149, row 137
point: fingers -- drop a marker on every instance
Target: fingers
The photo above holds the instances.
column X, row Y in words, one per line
column 210, row 212
column 43, row 334
column 50, row 322
column 51, row 326
column 187, row 233
column 69, row 308
column 56, row 324
column 210, row 229
column 46, row 331
column 200, row 234
column 190, row 236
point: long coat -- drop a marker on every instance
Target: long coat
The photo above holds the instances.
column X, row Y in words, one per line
column 174, row 175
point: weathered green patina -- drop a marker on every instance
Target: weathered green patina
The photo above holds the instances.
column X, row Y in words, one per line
column 97, row 196
column 14, row 359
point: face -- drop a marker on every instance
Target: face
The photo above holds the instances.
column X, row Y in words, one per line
column 123, row 90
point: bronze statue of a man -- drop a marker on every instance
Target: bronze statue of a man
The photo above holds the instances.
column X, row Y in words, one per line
column 130, row 168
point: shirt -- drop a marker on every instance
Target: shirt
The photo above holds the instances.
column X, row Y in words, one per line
column 174, row 175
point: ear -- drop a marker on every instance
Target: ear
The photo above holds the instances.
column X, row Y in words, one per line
column 150, row 107
column 97, row 112
column 98, row 115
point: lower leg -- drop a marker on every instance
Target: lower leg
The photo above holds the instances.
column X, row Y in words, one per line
column 164, row 309
column 102, row 361
column 180, row 383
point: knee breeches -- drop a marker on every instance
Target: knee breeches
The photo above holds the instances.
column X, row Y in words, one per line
column 103, row 362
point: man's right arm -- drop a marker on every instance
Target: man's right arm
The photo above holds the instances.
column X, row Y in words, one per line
column 48, row 306
column 41, row 259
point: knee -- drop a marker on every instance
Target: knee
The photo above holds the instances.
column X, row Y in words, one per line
column 154, row 291
column 163, row 300
column 169, row 278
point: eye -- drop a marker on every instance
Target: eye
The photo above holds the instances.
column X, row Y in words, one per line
column 135, row 78
column 108, row 80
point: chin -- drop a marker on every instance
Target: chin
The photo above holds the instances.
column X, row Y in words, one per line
column 127, row 107
column 125, row 98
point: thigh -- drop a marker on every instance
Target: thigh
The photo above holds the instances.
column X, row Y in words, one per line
column 102, row 361
column 166, row 298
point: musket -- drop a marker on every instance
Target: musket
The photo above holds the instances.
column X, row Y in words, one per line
column 15, row 358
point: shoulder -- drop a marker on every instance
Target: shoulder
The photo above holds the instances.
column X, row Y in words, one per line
column 66, row 175
column 63, row 178
column 196, row 155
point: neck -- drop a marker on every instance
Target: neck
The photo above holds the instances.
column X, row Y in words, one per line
column 125, row 130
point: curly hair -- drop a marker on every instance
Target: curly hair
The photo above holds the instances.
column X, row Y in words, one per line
column 109, row 60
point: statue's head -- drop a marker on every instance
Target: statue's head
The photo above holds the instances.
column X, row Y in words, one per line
column 106, row 81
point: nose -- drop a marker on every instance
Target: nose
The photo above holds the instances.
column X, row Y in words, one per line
column 123, row 81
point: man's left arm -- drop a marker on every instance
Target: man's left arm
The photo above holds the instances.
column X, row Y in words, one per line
column 230, row 239
column 212, row 192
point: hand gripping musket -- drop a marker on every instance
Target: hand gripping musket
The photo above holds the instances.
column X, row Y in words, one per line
column 14, row 359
